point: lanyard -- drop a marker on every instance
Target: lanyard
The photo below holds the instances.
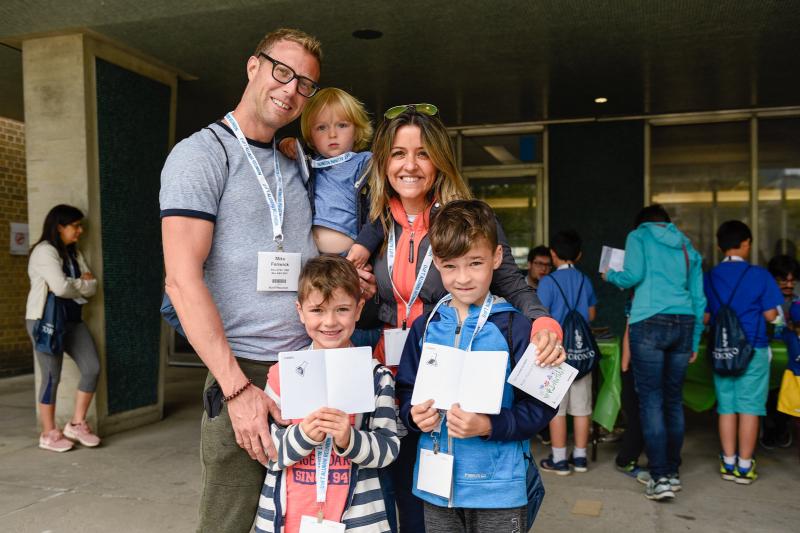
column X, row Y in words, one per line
column 486, row 309
column 325, row 163
column 420, row 281
column 275, row 207
column 71, row 266
column 323, row 460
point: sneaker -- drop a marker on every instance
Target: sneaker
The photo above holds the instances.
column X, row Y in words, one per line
column 580, row 464
column 544, row 436
column 631, row 469
column 643, row 477
column 561, row 468
column 745, row 476
column 675, row 482
column 726, row 470
column 659, row 490
column 54, row 441
column 81, row 433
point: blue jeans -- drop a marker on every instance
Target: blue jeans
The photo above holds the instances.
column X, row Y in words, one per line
column 660, row 349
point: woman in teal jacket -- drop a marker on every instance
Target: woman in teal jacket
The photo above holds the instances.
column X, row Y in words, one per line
column 665, row 327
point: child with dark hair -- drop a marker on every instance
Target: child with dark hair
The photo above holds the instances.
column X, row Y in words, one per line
column 564, row 289
column 490, row 453
column 754, row 296
column 776, row 428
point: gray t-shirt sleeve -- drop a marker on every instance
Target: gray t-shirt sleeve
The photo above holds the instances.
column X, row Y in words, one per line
column 193, row 178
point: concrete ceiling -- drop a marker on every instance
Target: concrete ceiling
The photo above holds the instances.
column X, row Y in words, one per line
column 480, row 61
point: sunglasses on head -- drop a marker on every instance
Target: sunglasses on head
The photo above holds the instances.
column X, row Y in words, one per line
column 425, row 109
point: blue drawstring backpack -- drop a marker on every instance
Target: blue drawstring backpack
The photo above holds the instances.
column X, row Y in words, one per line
column 730, row 351
column 48, row 331
column 579, row 343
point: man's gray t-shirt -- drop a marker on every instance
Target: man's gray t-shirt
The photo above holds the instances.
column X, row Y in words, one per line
column 196, row 183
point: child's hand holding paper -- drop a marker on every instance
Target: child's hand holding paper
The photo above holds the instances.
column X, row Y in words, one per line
column 425, row 416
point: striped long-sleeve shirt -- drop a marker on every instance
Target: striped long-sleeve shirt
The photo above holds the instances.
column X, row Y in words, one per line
column 374, row 445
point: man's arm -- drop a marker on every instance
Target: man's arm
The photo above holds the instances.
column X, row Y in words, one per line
column 187, row 242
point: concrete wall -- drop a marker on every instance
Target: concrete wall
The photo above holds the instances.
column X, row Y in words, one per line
column 15, row 348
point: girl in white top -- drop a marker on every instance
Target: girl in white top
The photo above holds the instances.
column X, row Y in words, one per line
column 56, row 265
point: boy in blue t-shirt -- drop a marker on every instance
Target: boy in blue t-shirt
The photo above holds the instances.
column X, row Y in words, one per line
column 742, row 399
column 565, row 249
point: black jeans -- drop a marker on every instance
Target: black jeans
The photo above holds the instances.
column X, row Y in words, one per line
column 632, row 443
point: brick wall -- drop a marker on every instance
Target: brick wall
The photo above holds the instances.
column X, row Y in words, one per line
column 15, row 348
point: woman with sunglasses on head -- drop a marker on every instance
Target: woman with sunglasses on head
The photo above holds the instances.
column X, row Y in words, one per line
column 56, row 265
column 412, row 174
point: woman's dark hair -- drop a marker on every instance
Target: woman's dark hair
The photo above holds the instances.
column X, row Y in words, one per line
column 60, row 215
column 652, row 213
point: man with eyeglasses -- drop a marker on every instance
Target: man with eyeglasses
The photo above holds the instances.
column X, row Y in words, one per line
column 540, row 264
column 236, row 229
column 776, row 428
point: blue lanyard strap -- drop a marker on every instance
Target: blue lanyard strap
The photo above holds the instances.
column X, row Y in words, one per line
column 322, row 465
column 325, row 163
column 486, row 310
column 276, row 206
column 421, row 275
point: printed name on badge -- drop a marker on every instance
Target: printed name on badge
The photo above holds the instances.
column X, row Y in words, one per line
column 310, row 524
column 278, row 271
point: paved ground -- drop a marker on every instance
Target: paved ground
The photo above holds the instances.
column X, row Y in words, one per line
column 146, row 480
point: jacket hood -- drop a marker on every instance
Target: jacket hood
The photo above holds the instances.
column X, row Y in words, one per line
column 666, row 234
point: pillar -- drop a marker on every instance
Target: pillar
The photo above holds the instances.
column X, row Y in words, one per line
column 100, row 121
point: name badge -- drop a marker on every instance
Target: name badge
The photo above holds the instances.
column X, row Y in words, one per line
column 393, row 342
column 310, row 524
column 435, row 473
column 278, row 271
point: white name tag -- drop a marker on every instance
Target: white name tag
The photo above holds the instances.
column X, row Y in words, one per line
column 278, row 271
column 435, row 473
column 393, row 342
column 310, row 524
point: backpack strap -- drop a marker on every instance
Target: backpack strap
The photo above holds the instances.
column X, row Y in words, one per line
column 227, row 161
column 733, row 292
column 736, row 287
column 563, row 295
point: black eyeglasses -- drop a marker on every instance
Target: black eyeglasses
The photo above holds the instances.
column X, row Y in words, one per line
column 284, row 74
column 426, row 109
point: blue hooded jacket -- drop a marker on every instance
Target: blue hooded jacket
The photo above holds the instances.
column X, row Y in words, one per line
column 656, row 259
column 495, row 464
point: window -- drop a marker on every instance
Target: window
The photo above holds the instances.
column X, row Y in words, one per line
column 506, row 172
column 701, row 174
column 778, row 187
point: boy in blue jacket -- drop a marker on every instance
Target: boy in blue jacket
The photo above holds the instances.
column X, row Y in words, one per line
column 754, row 296
column 490, row 452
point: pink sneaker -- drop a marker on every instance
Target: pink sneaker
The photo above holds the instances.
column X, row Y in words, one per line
column 54, row 441
column 81, row 433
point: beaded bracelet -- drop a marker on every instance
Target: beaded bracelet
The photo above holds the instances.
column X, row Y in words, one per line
column 236, row 393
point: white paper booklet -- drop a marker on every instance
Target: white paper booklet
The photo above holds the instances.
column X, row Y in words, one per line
column 548, row 384
column 339, row 378
column 612, row 259
column 472, row 379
